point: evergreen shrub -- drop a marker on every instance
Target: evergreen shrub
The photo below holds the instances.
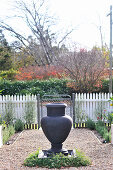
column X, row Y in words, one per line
column 19, row 125
column 90, row 124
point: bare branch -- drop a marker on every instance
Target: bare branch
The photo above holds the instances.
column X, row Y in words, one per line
column 40, row 24
column 68, row 33
column 10, row 29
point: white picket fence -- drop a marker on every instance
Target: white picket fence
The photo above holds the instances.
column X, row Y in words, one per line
column 93, row 103
column 87, row 103
column 18, row 105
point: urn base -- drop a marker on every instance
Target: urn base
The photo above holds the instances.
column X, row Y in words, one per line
column 57, row 148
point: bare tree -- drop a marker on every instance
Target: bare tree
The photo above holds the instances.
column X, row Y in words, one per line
column 40, row 24
column 85, row 67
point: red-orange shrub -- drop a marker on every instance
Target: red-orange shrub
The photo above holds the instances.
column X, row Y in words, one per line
column 36, row 72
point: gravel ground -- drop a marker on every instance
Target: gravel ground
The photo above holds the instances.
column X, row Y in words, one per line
column 28, row 141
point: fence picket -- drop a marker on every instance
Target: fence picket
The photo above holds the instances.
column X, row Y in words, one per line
column 84, row 96
column 87, row 96
column 79, row 96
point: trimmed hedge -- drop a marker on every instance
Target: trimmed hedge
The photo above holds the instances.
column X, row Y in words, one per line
column 58, row 161
column 51, row 86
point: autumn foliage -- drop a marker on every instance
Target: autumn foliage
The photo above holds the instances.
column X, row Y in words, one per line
column 40, row 73
column 86, row 68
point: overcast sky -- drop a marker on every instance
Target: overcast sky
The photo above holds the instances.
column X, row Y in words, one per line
column 86, row 16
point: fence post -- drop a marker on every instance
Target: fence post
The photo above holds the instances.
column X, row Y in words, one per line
column 38, row 110
column 73, row 103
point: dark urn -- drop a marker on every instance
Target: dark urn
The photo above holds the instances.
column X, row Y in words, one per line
column 56, row 127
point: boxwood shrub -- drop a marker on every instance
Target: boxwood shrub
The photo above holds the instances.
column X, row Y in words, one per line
column 58, row 161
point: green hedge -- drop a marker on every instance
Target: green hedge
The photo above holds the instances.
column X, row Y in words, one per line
column 105, row 86
column 51, row 86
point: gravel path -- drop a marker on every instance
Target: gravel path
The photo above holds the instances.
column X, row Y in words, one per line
column 13, row 155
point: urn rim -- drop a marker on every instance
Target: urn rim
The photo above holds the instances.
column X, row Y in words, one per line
column 56, row 105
